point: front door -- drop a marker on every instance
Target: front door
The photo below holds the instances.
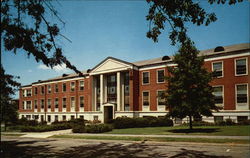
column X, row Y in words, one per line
column 108, row 113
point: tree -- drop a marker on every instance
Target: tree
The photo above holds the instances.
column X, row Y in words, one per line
column 176, row 14
column 189, row 92
column 8, row 87
column 24, row 26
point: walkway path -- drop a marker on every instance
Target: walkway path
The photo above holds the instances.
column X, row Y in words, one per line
column 69, row 132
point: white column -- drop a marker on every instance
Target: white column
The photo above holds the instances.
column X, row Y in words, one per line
column 122, row 92
column 101, row 90
column 118, row 78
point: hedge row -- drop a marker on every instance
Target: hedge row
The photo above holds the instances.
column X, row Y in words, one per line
column 45, row 128
column 93, row 128
column 227, row 122
column 126, row 122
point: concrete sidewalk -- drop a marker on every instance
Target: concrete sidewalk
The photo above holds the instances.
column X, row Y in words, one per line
column 166, row 136
column 69, row 132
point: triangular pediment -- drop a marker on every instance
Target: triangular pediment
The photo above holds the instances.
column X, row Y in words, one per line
column 111, row 65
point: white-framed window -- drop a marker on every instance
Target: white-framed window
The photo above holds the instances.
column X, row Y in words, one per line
column 24, row 93
column 160, row 76
column 49, row 103
column 56, row 88
column 42, row 103
column 29, row 105
column 145, row 98
column 241, row 67
column 242, row 94
column 218, row 92
column 35, row 104
column 64, row 102
column 81, row 85
column 49, row 89
column 81, row 101
column 145, row 77
column 64, row 87
column 36, row 91
column 161, row 100
column 72, row 102
column 56, row 103
column 72, row 86
column 217, row 68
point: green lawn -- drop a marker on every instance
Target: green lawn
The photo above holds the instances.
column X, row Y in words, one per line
column 198, row 130
column 196, row 140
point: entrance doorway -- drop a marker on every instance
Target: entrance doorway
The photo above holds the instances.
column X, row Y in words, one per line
column 108, row 114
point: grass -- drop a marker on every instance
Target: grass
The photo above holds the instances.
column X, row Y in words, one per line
column 197, row 140
column 243, row 130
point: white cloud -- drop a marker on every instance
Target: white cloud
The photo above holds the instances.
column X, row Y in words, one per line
column 57, row 68
column 29, row 70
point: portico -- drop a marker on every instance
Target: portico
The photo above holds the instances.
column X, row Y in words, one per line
column 111, row 87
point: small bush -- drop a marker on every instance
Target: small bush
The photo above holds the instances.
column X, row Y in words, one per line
column 202, row 123
column 230, row 122
column 98, row 128
column 44, row 128
column 79, row 129
column 244, row 122
column 126, row 122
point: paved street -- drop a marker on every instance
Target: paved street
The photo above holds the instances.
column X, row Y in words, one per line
column 50, row 147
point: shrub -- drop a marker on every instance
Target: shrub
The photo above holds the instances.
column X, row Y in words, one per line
column 244, row 122
column 44, row 128
column 202, row 123
column 125, row 122
column 79, row 129
column 230, row 122
column 98, row 128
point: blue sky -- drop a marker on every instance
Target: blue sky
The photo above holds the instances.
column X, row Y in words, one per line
column 99, row 29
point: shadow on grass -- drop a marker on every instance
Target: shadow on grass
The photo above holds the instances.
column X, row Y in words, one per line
column 195, row 130
column 88, row 150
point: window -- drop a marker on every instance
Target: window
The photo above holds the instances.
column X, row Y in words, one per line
column 56, row 102
column 145, row 78
column 145, row 98
column 36, row 91
column 161, row 98
column 28, row 117
column 81, row 117
column 241, row 66
column 24, row 93
column 95, row 118
column 72, row 117
column 36, row 117
column 64, row 102
column 35, row 104
column 241, row 118
column 28, row 105
column 241, row 94
column 81, row 85
column 218, row 95
column 49, row 103
column 29, row 92
column 56, row 88
column 72, row 86
column 49, row 89
column 42, row 90
column 42, row 118
column 49, row 118
column 218, row 118
column 42, row 103
column 217, row 69
column 64, row 87
column 56, row 118
column 81, row 101
column 72, row 102
column 64, row 117
column 160, row 76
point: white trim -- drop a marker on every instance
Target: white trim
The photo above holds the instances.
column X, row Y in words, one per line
column 24, row 88
column 153, row 67
column 111, row 70
column 148, row 78
column 235, row 72
column 65, row 80
column 157, row 75
column 240, row 104
column 222, row 67
column 223, row 96
column 227, row 56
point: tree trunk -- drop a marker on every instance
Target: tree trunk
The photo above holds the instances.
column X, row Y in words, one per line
column 190, row 122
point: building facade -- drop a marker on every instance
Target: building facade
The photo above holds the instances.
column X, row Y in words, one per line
column 116, row 88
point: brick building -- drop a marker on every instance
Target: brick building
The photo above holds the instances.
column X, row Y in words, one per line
column 115, row 88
